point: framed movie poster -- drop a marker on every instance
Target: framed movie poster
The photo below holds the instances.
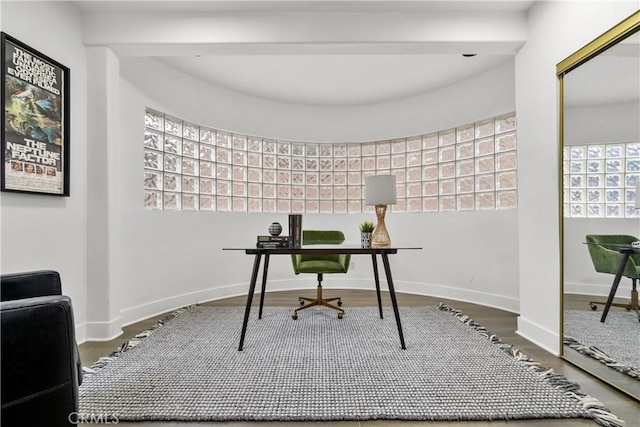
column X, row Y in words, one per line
column 35, row 132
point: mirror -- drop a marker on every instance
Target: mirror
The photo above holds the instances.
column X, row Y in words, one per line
column 600, row 166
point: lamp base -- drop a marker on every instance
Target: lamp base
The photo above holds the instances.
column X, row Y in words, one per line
column 380, row 237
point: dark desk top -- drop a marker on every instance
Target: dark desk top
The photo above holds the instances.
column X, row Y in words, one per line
column 323, row 249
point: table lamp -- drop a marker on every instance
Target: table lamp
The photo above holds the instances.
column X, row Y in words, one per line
column 380, row 191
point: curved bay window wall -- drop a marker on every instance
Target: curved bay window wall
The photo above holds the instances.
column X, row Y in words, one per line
column 193, row 167
column 600, row 179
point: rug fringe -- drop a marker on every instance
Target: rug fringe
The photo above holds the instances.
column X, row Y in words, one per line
column 133, row 342
column 596, row 410
column 602, row 357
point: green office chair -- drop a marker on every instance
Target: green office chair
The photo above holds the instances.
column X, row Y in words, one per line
column 606, row 260
column 320, row 264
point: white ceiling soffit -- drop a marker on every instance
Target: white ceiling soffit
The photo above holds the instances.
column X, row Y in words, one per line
column 315, row 52
column 302, row 5
column 334, row 79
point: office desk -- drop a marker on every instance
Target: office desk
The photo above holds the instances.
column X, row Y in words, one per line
column 320, row 249
column 625, row 252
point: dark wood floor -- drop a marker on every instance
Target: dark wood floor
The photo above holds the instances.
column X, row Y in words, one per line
column 502, row 323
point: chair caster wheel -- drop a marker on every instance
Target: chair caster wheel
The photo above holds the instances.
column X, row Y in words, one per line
column 339, row 303
column 593, row 307
column 295, row 316
column 340, row 315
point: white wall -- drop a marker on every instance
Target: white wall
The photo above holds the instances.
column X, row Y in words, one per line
column 602, row 124
column 43, row 232
column 166, row 259
column 104, row 318
column 556, row 30
column 465, row 102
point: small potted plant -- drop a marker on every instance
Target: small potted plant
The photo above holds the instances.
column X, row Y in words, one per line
column 366, row 228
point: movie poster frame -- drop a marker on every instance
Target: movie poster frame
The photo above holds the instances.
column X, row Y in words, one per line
column 64, row 120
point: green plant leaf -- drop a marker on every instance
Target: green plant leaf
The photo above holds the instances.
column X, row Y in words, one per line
column 367, row 227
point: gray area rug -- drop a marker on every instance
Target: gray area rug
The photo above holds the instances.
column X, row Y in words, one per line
column 615, row 343
column 322, row 368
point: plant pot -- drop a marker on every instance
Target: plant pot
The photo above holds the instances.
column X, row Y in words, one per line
column 365, row 240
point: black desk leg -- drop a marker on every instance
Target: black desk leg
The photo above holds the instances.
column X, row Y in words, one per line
column 252, row 288
column 375, row 276
column 614, row 287
column 265, row 268
column 394, row 302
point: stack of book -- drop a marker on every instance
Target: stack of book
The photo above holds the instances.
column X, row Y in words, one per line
column 293, row 240
column 273, row 242
column 295, row 230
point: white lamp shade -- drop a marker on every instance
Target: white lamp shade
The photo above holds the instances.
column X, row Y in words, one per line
column 637, row 199
column 380, row 190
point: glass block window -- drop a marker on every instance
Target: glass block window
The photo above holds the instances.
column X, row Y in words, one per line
column 193, row 167
column 599, row 180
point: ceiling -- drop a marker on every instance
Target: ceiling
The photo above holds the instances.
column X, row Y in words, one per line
column 325, row 70
column 334, row 79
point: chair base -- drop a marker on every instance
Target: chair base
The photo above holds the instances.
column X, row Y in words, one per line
column 632, row 305
column 311, row 302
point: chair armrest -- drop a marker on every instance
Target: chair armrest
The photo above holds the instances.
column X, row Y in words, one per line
column 606, row 260
column 345, row 259
column 29, row 285
column 295, row 262
column 39, row 358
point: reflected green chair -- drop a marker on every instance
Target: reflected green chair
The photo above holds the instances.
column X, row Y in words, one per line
column 320, row 264
column 606, row 260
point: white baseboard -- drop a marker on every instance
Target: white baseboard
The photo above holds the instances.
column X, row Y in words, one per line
column 597, row 290
column 81, row 333
column 99, row 331
column 105, row 331
column 501, row 302
column 540, row 336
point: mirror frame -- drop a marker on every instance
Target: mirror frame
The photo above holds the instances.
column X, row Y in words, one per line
column 624, row 29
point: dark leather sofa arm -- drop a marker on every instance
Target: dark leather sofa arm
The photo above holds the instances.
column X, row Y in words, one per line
column 31, row 284
column 19, row 286
column 41, row 368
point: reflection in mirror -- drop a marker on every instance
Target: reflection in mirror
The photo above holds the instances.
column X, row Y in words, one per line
column 600, row 119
